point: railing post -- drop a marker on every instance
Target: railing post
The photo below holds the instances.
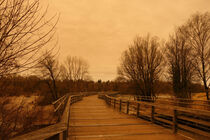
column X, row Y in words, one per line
column 114, row 102
column 175, row 121
column 152, row 114
column 61, row 136
column 127, row 107
column 120, row 105
column 137, row 110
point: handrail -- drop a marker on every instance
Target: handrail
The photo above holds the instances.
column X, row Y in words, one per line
column 179, row 102
column 59, row 99
column 173, row 98
column 173, row 116
column 204, row 112
column 61, row 102
column 58, row 130
column 191, row 110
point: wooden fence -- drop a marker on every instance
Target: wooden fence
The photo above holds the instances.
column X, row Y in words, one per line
column 174, row 117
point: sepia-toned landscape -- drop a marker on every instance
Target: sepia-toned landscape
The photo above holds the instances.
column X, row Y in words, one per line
column 104, row 69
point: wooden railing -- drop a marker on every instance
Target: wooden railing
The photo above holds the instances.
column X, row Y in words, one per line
column 59, row 105
column 58, row 130
column 174, row 117
column 182, row 102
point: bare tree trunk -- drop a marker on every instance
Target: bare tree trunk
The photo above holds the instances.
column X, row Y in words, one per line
column 49, row 68
column 206, row 89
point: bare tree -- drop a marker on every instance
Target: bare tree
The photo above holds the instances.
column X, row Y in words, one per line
column 24, row 32
column 142, row 64
column 75, row 69
column 49, row 68
column 198, row 32
column 180, row 63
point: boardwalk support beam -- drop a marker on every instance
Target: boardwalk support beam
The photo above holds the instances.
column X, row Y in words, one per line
column 137, row 110
column 120, row 105
column 127, row 107
column 114, row 102
column 153, row 114
column 175, row 127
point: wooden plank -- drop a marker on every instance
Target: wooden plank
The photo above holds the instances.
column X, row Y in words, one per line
column 194, row 130
column 43, row 133
column 114, row 124
column 198, row 121
column 164, row 121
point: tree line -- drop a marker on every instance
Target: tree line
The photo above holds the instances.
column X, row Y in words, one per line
column 27, row 42
column 183, row 60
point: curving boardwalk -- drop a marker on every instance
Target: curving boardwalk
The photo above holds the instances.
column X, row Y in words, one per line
column 92, row 119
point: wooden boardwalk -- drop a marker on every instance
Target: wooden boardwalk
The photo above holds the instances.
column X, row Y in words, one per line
column 93, row 119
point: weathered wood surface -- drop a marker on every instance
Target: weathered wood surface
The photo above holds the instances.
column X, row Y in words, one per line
column 92, row 119
column 190, row 120
column 43, row 133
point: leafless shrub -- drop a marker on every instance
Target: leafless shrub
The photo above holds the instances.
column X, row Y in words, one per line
column 142, row 64
column 19, row 118
column 9, row 118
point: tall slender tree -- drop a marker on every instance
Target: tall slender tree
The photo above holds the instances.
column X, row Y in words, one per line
column 198, row 33
column 180, row 63
column 49, row 68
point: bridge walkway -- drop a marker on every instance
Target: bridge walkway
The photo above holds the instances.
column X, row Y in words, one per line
column 93, row 119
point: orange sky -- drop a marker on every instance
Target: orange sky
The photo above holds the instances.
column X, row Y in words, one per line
column 100, row 30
